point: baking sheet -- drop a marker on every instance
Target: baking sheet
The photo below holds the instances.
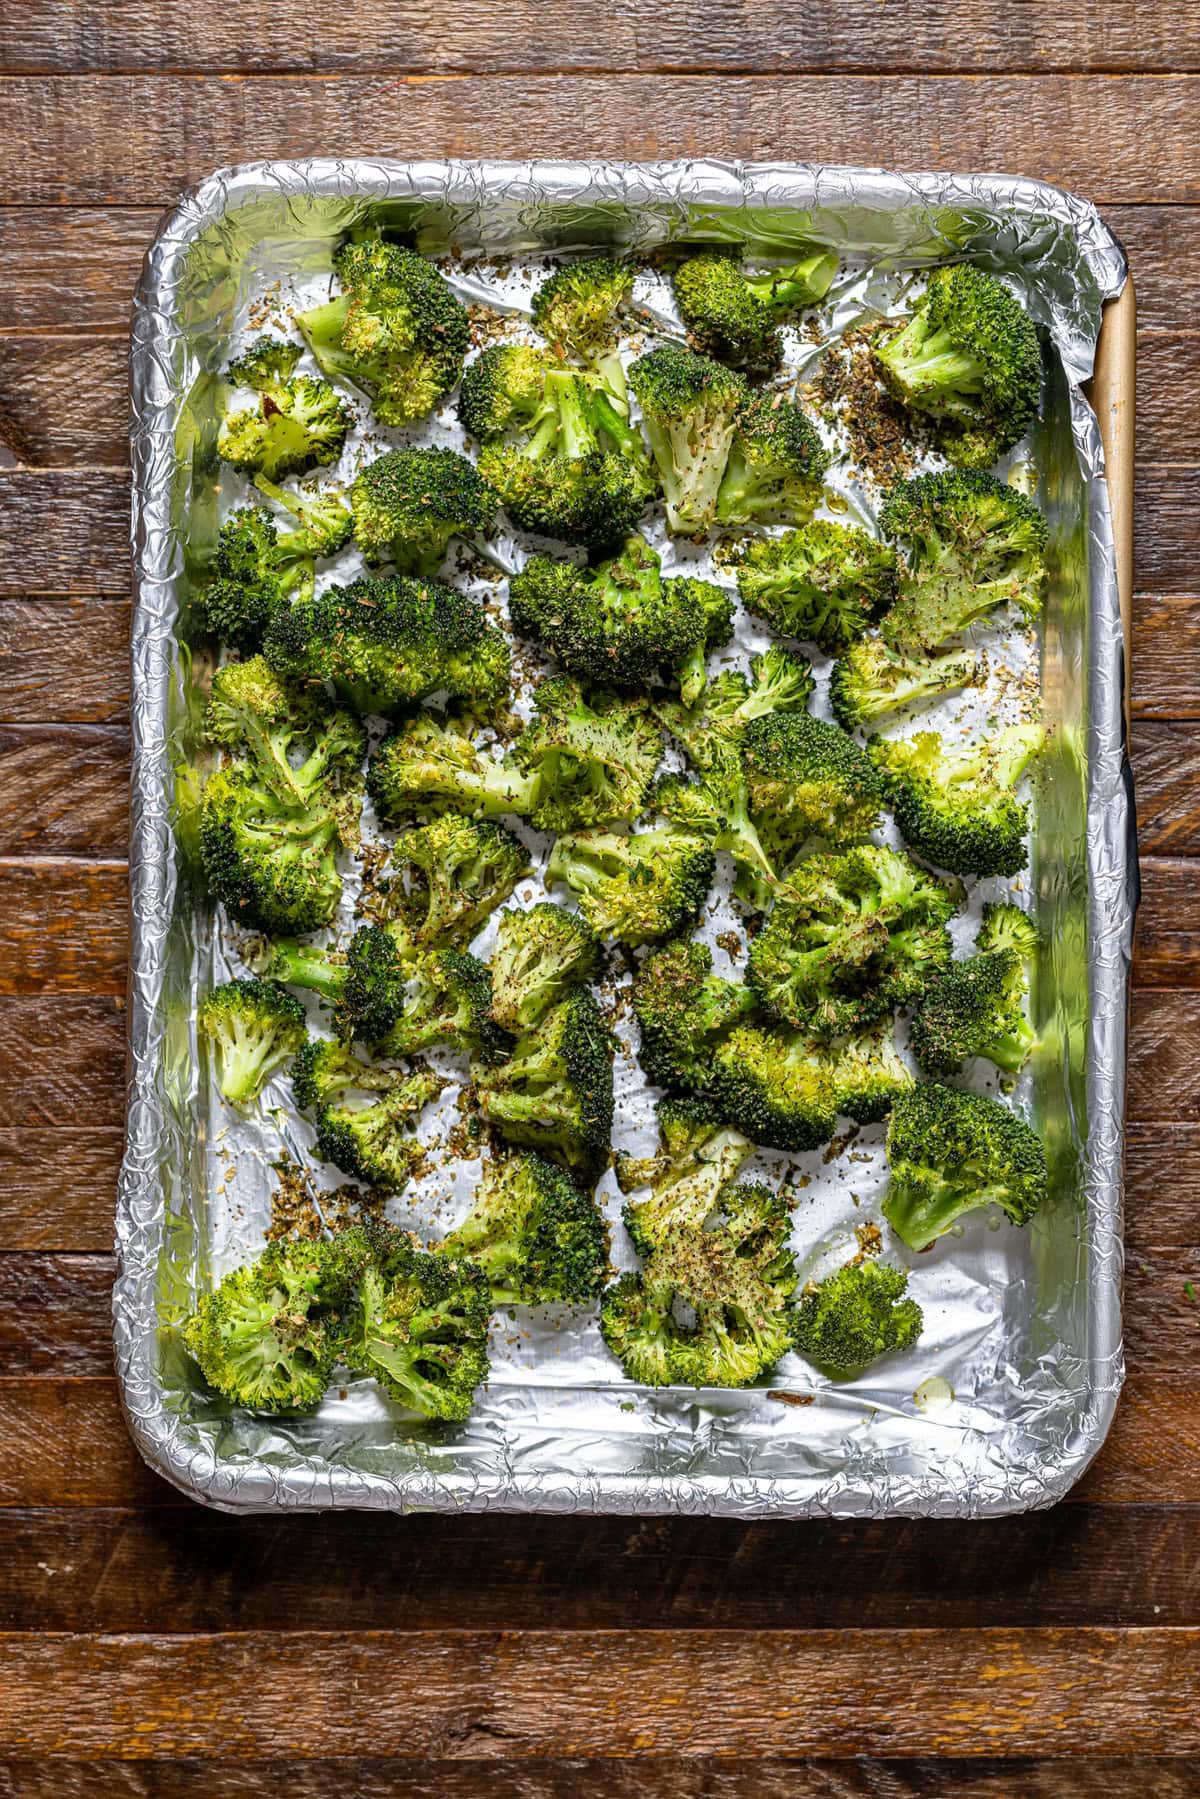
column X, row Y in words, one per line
column 1013, row 1383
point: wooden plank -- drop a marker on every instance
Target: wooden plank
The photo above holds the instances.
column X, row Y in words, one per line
column 1166, row 787
column 64, row 661
column 1166, row 655
column 58, row 1186
column 56, row 1315
column 1167, row 947
column 474, row 1696
column 62, row 1062
column 64, row 532
column 130, row 139
column 64, row 790
column 1162, row 243
column 1164, row 1051
column 64, row 926
column 1162, row 1187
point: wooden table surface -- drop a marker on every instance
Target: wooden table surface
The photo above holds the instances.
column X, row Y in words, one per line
column 1054, row 1655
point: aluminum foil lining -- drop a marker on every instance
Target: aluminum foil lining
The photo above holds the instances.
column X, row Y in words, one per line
column 1011, row 1390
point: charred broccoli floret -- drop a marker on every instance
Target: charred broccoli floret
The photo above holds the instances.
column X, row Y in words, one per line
column 950, row 1153
column 690, row 407
column 732, row 314
column 539, row 956
column 253, row 1028
column 555, row 1092
column 825, row 583
column 807, row 779
column 776, row 1087
column 957, row 807
column 577, row 307
column 776, row 465
column 869, row 1074
column 698, row 1157
column 538, row 1237
column 408, row 504
column 967, row 361
column 871, row 679
column 296, row 422
column 445, row 879
column 396, row 329
column 388, row 643
column 430, row 766
column 977, row 1007
column 973, row 543
column 365, row 985
column 591, row 758
column 684, row 1012
column 856, row 1315
column 372, row 1141
column 637, row 889
column 254, row 573
column 326, row 523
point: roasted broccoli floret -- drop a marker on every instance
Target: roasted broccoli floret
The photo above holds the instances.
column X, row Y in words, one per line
column 296, row 422
column 776, row 1087
column 365, row 985
column 698, row 1157
column 430, row 766
column 967, row 361
column 445, row 879
column 591, row 758
column 418, row 1324
column 776, row 465
column 973, row 543
column 555, row 1093
column 297, row 742
column 636, row 889
column 326, row 523
column 388, row 643
column 269, row 1335
column 977, row 1007
column 373, row 1142
column 254, row 573
column 447, row 1002
column 577, row 307
column 621, row 623
column 807, row 779
column 503, row 391
column 396, row 329
column 869, row 1074
column 724, row 316
column 825, row 583
column 253, row 1028
column 855, row 1316
column 871, row 679
column 408, row 504
column 714, row 807
column 851, row 937
column 781, row 681
column 793, row 286
column 950, row 1153
column 957, row 807
column 538, row 1237
column 539, row 956
column 690, row 407
column 684, row 1012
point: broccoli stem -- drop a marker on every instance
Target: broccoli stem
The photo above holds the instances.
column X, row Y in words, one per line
column 300, row 965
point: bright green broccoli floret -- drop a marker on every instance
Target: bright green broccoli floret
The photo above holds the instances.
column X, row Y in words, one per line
column 869, row 1074
column 698, row 1157
column 555, row 1093
column 448, row 1002
column 781, row 681
column 871, row 679
column 825, row 583
column 388, row 643
column 253, row 1027
column 373, row 1142
column 538, row 1237
column 538, row 957
column 591, row 758
column 576, row 308
column 776, row 1087
column 636, row 889
column 396, row 329
column 724, row 316
column 431, row 765
column 269, row 1335
column 445, row 879
column 977, row 1007
column 297, row 422
column 967, row 360
column 973, row 543
column 296, row 740
column 326, row 523
column 807, row 779
column 418, row 1324
column 684, row 1012
column 503, row 391
column 366, row 985
column 690, row 407
column 950, row 1153
column 1003, row 926
column 714, row 807
column 254, row 573
column 776, row 465
column 856, row 1315
column 957, row 807
column 409, row 503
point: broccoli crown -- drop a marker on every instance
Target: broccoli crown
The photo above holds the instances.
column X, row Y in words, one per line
column 430, row 766
column 296, row 743
column 555, row 1093
column 851, row 937
column 781, row 681
column 684, row 1012
column 296, row 423
column 452, row 875
column 538, row 1237
column 973, row 543
column 418, row 1324
column 371, row 993
column 798, row 285
column 957, row 807
column 538, row 957
column 253, row 1027
column 254, row 572
column 868, row 1074
column 951, row 1152
column 690, row 407
column 637, row 889
column 591, row 759
column 977, row 1007
column 397, row 329
column 448, row 1002
column 806, row 778
column 825, row 583
column 714, row 808
column 272, row 862
column 776, row 465
column 1004, row 926
column 409, row 503
column 576, row 308
column 326, row 523
column 619, row 623
column 871, row 679
column 503, row 391
column 373, row 1142
column 856, row 1315
column 267, row 1337
column 968, row 360
column 776, row 1087
column 698, row 1157
column 724, row 316
column 387, row 644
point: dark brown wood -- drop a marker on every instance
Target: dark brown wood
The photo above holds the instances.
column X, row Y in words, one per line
column 1167, row 948
column 64, row 532
column 64, row 790
column 62, row 1062
column 1166, row 653
column 64, row 661
column 58, row 1186
column 56, row 1315
column 63, row 926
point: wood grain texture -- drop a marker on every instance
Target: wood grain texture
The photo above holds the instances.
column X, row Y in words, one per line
column 1167, row 945
column 64, row 661
column 134, row 139
column 1166, row 654
column 58, row 1186
column 64, row 790
column 62, row 1062
column 64, row 926
column 56, row 1315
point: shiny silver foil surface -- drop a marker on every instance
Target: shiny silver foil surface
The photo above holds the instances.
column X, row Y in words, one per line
column 1012, row 1387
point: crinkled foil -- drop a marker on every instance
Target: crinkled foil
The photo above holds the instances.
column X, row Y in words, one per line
column 962, row 1427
